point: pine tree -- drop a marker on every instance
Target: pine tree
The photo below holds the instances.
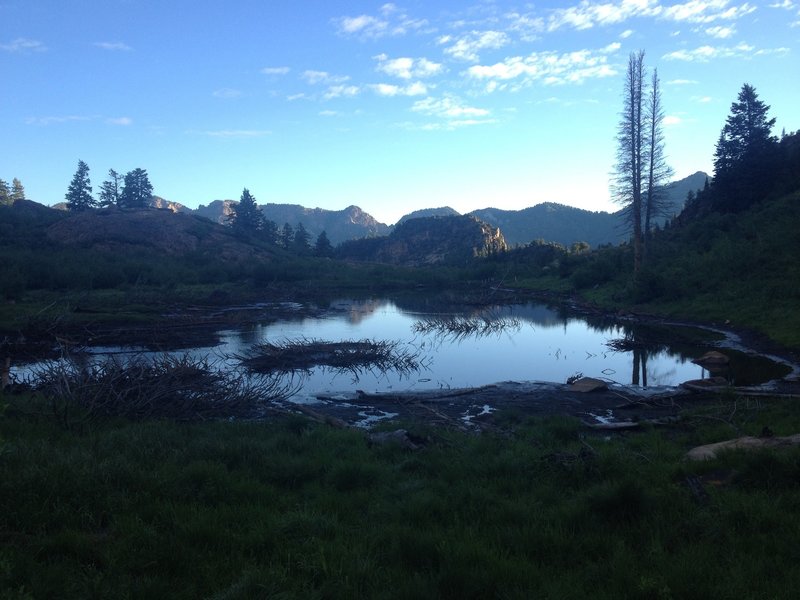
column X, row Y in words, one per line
column 301, row 242
column 269, row 231
column 743, row 153
column 5, row 193
column 111, row 189
column 137, row 191
column 17, row 191
column 323, row 245
column 287, row 236
column 79, row 194
column 246, row 217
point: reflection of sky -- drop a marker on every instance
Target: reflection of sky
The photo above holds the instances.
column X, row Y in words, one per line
column 545, row 347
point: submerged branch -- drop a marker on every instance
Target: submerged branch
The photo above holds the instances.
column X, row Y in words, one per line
column 460, row 328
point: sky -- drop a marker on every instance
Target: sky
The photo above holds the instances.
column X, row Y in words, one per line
column 392, row 107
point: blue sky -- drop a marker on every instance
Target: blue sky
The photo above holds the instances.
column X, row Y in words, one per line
column 389, row 106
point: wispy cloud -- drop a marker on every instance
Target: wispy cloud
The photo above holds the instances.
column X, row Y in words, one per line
column 235, row 133
column 341, row 91
column 55, row 120
column 786, row 4
column 702, row 99
column 672, row 120
column 114, row 46
column 391, row 21
column 549, row 67
column 387, row 89
column 467, row 46
column 707, row 11
column 407, row 68
column 448, row 107
column 626, row 34
column 682, row 82
column 323, row 77
column 23, row 45
column 720, row 32
column 590, row 14
column 227, row 93
column 275, row 70
column 707, row 53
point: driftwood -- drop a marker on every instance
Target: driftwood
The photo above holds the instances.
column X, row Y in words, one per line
column 711, row 451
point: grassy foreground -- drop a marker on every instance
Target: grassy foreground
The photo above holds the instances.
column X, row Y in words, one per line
column 290, row 509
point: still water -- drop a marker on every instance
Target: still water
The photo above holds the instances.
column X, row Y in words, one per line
column 532, row 342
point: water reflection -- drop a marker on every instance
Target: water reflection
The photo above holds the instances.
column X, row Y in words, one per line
column 523, row 342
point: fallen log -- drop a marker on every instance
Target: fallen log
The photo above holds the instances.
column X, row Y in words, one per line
column 711, row 451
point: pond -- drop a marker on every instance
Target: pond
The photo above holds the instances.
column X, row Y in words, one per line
column 458, row 347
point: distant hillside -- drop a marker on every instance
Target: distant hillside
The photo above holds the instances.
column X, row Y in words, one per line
column 428, row 241
column 554, row 223
column 339, row 225
column 163, row 231
column 565, row 224
column 444, row 211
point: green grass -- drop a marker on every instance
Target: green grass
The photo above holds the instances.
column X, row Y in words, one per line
column 292, row 509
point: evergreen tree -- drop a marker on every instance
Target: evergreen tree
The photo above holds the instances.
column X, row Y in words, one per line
column 111, row 189
column 323, row 245
column 5, row 193
column 246, row 217
column 744, row 152
column 270, row 233
column 17, row 191
column 137, row 191
column 301, row 243
column 79, row 194
column 287, row 236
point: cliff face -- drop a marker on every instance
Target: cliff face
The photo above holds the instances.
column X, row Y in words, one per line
column 429, row 241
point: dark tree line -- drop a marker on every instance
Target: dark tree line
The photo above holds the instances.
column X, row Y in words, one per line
column 247, row 219
column 134, row 190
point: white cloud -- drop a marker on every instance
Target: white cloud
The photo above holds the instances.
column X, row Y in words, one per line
column 626, row 34
column 340, row 91
column 328, row 113
column 56, row 120
column 275, row 70
column 300, row 96
column 682, row 82
column 227, row 93
column 467, row 46
column 237, row 133
column 707, row 11
column 318, row 77
column 526, row 26
column 407, row 68
column 124, row 121
column 387, row 89
column 447, row 107
column 119, row 46
column 720, row 32
column 23, row 45
column 787, row 4
column 671, row 120
column 707, row 53
column 390, row 22
column 549, row 67
column 702, row 99
column 588, row 14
